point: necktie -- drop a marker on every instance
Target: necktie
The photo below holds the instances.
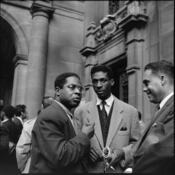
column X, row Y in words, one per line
column 104, row 122
column 104, row 113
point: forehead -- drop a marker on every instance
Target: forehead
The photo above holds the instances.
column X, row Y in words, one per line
column 149, row 75
column 72, row 80
column 99, row 75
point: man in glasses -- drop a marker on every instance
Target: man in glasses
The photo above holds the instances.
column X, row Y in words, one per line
column 116, row 125
column 55, row 146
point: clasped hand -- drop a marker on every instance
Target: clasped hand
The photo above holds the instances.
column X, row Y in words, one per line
column 88, row 128
column 116, row 156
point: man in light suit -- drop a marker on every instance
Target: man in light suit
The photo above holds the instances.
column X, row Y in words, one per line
column 55, row 146
column 116, row 125
column 155, row 150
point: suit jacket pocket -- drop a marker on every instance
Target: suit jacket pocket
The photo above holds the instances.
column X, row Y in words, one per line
column 123, row 133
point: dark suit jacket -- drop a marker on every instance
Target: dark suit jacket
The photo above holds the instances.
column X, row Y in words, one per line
column 155, row 152
column 4, row 143
column 8, row 162
column 19, row 126
column 55, row 146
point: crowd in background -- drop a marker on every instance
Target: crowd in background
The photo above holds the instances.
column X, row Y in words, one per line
column 15, row 136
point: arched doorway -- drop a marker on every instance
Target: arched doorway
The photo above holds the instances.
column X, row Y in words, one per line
column 7, row 53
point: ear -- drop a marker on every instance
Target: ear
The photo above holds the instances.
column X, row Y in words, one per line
column 163, row 79
column 112, row 82
column 57, row 91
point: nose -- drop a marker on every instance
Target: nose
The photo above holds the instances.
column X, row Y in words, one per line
column 77, row 91
column 99, row 84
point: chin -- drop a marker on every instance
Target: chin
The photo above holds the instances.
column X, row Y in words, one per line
column 75, row 104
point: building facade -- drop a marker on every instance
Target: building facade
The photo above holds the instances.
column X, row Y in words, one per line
column 41, row 39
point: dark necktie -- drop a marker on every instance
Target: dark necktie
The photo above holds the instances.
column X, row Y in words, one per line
column 104, row 122
column 104, row 113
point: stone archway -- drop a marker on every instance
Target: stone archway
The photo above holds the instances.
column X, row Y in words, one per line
column 14, row 51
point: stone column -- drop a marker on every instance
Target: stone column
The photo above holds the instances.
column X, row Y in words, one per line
column 133, row 23
column 89, row 52
column 20, row 79
column 41, row 13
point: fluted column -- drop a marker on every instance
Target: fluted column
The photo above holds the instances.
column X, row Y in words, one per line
column 20, row 77
column 41, row 13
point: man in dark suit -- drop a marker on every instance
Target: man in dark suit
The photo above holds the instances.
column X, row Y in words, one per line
column 155, row 150
column 55, row 146
column 116, row 125
column 9, row 138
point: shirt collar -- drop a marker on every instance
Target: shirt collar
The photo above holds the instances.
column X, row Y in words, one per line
column 108, row 101
column 64, row 108
column 162, row 103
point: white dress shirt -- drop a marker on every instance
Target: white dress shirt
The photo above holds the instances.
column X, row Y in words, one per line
column 108, row 104
column 162, row 103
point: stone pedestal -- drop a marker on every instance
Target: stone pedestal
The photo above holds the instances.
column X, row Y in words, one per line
column 41, row 13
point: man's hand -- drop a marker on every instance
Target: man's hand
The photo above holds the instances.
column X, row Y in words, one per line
column 11, row 147
column 88, row 128
column 116, row 156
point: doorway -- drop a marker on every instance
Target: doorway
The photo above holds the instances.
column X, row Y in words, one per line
column 7, row 53
column 120, row 88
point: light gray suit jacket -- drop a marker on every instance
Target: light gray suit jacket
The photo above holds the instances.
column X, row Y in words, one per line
column 123, row 131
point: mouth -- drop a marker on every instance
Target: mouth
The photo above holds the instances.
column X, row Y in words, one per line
column 77, row 100
column 100, row 92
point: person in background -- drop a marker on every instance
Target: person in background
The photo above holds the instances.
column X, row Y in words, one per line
column 23, row 147
column 55, row 146
column 20, row 115
column 116, row 125
column 155, row 150
column 9, row 138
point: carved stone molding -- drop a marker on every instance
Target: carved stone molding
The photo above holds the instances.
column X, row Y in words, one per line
column 132, row 68
column 20, row 59
column 107, row 28
column 90, row 45
column 41, row 8
column 132, row 15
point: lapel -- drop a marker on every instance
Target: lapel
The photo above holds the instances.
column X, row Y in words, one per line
column 93, row 111
column 116, row 120
column 64, row 115
column 159, row 116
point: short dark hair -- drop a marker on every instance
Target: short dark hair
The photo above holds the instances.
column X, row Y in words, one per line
column 102, row 68
column 61, row 79
column 46, row 101
column 162, row 66
column 9, row 111
column 19, row 109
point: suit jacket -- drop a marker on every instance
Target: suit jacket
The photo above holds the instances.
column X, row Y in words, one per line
column 19, row 126
column 4, row 143
column 123, row 130
column 55, row 146
column 155, row 150
column 8, row 162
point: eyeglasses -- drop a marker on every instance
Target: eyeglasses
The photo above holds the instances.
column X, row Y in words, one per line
column 73, row 87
